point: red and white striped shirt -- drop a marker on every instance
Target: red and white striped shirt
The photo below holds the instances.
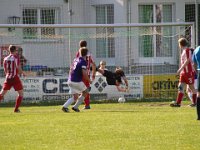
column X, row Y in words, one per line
column 186, row 54
column 11, row 64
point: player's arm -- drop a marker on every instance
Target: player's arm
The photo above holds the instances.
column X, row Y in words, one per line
column 4, row 66
column 19, row 68
column 121, row 89
column 93, row 70
column 194, row 62
column 125, row 80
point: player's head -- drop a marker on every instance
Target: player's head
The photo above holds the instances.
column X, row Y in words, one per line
column 83, row 43
column 103, row 62
column 12, row 48
column 119, row 71
column 182, row 42
column 83, row 51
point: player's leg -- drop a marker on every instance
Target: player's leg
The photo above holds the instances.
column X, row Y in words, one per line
column 87, row 97
column 189, row 93
column 69, row 102
column 194, row 94
column 2, row 93
column 198, row 96
column 17, row 85
column 179, row 96
column 180, row 93
column 198, row 104
column 18, row 100
column 81, row 88
column 87, row 101
column 72, row 87
column 77, row 88
column 80, row 100
column 4, row 90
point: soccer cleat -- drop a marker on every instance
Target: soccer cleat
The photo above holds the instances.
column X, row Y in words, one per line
column 65, row 109
column 192, row 105
column 17, row 111
column 87, row 107
column 174, row 104
column 75, row 109
column 198, row 118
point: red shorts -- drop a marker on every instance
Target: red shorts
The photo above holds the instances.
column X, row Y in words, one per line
column 187, row 78
column 14, row 82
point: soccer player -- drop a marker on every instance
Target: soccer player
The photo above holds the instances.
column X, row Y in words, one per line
column 188, row 90
column 22, row 59
column 12, row 71
column 186, row 72
column 90, row 63
column 115, row 78
column 78, row 71
column 196, row 60
column 102, row 66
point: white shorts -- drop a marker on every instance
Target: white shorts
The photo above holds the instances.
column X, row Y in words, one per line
column 76, row 87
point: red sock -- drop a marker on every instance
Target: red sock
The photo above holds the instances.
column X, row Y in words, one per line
column 18, row 102
column 179, row 97
column 1, row 97
column 194, row 98
column 87, row 100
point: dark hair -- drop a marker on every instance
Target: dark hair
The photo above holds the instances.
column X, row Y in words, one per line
column 119, row 71
column 12, row 48
column 83, row 43
column 83, row 51
column 183, row 42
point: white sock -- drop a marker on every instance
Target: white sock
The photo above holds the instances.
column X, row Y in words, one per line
column 79, row 101
column 68, row 102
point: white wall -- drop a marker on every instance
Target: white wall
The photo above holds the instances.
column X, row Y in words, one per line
column 82, row 12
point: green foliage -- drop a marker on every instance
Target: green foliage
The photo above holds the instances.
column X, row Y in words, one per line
column 128, row 126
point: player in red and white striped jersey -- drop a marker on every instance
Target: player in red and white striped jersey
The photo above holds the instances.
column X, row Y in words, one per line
column 90, row 63
column 12, row 71
column 186, row 72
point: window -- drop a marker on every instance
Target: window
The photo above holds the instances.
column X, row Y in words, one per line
column 190, row 16
column 105, row 43
column 39, row 16
column 152, row 43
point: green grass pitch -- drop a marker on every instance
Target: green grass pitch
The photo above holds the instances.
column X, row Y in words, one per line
column 128, row 126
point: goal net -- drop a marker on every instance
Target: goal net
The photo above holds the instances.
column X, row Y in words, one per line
column 147, row 52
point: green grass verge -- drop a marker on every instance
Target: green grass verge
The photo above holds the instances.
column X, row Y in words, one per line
column 128, row 126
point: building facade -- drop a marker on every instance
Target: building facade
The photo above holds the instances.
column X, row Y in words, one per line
column 135, row 49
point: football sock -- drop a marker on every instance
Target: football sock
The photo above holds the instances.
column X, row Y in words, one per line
column 18, row 102
column 79, row 101
column 1, row 97
column 198, row 107
column 194, row 98
column 179, row 97
column 68, row 102
column 87, row 100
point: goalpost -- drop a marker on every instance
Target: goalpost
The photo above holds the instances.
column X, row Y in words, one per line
column 146, row 51
column 157, row 39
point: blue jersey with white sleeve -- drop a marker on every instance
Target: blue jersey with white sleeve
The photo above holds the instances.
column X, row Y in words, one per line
column 196, row 57
column 75, row 74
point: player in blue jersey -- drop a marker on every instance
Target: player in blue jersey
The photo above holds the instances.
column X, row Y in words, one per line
column 196, row 60
column 78, row 71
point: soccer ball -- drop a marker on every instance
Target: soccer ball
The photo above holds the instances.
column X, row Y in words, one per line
column 121, row 100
